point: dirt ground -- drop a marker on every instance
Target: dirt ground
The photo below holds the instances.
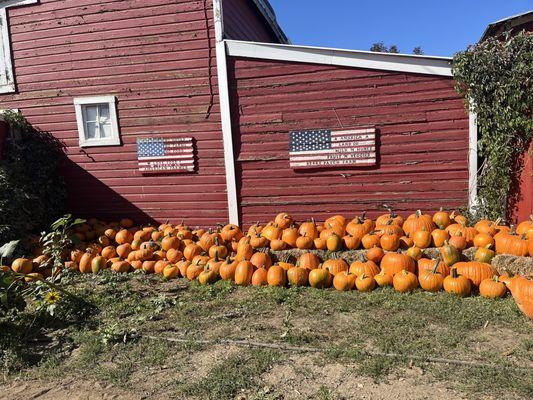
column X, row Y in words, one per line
column 296, row 378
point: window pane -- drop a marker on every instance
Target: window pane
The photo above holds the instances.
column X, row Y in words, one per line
column 91, row 113
column 90, row 130
column 104, row 112
column 105, row 130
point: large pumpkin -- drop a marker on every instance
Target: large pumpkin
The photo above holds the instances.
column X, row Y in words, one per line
column 392, row 263
column 475, row 271
column 522, row 290
column 335, row 266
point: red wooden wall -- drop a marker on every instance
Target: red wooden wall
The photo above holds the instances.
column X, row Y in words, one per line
column 158, row 58
column 423, row 139
column 243, row 21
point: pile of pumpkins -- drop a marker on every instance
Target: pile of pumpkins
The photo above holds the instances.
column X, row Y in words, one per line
column 394, row 254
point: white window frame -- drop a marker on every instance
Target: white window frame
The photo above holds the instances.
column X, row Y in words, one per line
column 7, row 78
column 114, row 139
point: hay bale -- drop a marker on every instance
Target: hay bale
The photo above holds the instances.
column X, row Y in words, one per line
column 513, row 264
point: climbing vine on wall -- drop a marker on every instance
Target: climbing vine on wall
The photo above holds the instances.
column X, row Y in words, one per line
column 32, row 189
column 496, row 79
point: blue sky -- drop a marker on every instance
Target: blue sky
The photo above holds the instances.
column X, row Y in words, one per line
column 440, row 27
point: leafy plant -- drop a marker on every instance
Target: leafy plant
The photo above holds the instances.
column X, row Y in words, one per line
column 32, row 189
column 59, row 239
column 496, row 79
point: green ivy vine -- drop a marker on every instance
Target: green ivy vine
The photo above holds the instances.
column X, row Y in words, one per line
column 496, row 79
column 32, row 188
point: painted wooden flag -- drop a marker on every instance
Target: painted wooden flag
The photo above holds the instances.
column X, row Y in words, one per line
column 326, row 148
column 159, row 155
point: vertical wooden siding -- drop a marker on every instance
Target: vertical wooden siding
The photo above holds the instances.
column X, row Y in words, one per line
column 157, row 57
column 242, row 21
column 423, row 139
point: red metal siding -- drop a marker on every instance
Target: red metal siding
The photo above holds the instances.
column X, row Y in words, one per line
column 158, row 58
column 423, row 139
column 243, row 21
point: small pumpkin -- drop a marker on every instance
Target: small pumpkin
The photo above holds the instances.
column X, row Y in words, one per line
column 298, row 276
column 259, row 277
column 344, row 281
column 431, row 280
column 449, row 253
column 484, row 254
column 422, row 238
column 309, row 261
column 492, row 288
column 383, row 279
column 457, row 284
column 22, row 266
column 243, row 273
column 442, row 219
column 375, row 254
column 390, row 242
column 365, row 283
column 121, row 266
column 320, row 278
column 439, row 236
column 364, row 266
column 414, row 252
column 277, row 276
column 171, row 271
column 405, row 281
column 333, row 242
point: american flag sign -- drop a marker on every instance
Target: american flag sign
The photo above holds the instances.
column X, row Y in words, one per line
column 327, row 148
column 161, row 155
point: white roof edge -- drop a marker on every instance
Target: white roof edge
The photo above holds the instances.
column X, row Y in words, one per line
column 421, row 64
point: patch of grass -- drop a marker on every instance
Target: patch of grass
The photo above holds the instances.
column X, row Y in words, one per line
column 232, row 375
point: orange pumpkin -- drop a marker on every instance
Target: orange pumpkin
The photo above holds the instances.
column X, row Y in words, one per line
column 344, row 281
column 475, row 271
column 320, row 278
column 309, row 261
column 375, row 254
column 522, row 290
column 298, row 276
column 405, row 281
column 335, row 266
column 243, row 273
column 492, row 288
column 390, row 242
column 417, row 222
column 392, row 263
column 422, row 238
column 457, row 284
column 439, row 236
column 259, row 277
column 277, row 276
column 364, row 266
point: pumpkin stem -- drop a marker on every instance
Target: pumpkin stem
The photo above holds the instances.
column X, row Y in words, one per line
column 454, row 273
column 434, row 270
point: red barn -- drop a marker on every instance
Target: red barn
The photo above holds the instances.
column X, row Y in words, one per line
column 102, row 75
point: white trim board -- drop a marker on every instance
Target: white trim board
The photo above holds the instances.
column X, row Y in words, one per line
column 225, row 115
column 429, row 65
column 472, row 161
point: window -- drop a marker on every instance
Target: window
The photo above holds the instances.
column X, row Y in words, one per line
column 6, row 70
column 7, row 77
column 97, row 121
